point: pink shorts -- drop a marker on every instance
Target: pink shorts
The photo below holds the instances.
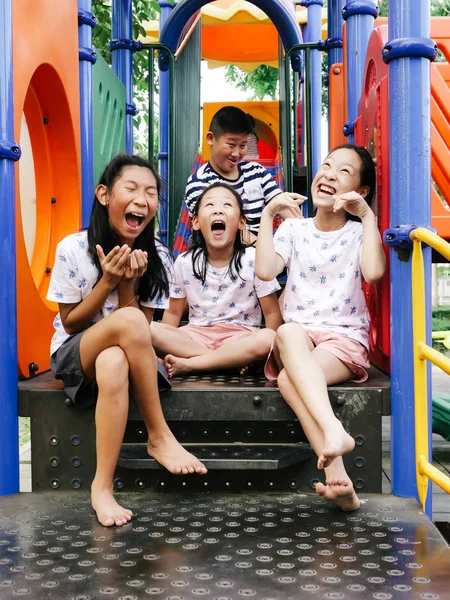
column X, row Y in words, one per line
column 351, row 352
column 214, row 336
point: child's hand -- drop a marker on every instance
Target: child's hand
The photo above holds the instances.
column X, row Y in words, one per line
column 353, row 203
column 137, row 264
column 287, row 205
column 114, row 264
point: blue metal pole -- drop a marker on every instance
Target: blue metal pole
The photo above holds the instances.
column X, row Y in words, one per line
column 315, row 35
column 408, row 52
column 9, row 152
column 122, row 58
column 86, row 21
column 164, row 108
column 304, row 29
column 335, row 23
column 360, row 15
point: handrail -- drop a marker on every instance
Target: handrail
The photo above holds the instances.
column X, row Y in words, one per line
column 422, row 352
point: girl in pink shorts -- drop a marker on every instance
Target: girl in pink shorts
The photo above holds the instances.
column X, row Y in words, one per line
column 325, row 337
column 226, row 300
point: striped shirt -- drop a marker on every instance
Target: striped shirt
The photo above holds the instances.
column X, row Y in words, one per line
column 255, row 185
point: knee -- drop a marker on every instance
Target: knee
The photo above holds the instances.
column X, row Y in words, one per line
column 264, row 342
column 134, row 326
column 282, row 380
column 112, row 370
column 289, row 333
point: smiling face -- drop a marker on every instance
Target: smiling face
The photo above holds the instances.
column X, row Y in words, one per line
column 132, row 202
column 227, row 151
column 339, row 173
column 219, row 218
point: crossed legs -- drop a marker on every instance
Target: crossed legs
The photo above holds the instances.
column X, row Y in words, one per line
column 114, row 351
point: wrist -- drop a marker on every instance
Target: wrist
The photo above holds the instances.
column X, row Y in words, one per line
column 368, row 216
column 106, row 283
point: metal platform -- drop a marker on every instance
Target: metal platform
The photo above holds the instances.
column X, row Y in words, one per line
column 221, row 547
column 242, row 427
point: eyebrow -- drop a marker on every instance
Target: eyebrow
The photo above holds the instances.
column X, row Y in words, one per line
column 151, row 186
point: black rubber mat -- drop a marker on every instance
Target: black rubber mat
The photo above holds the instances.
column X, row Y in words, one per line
column 261, row 546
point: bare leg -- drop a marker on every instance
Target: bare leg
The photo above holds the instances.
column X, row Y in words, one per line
column 128, row 328
column 235, row 353
column 167, row 339
column 339, row 487
column 293, row 350
column 110, row 420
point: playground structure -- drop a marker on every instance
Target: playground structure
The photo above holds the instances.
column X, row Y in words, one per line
column 379, row 96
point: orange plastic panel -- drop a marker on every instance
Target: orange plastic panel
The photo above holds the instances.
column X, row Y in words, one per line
column 337, row 117
column 46, row 89
column 267, row 123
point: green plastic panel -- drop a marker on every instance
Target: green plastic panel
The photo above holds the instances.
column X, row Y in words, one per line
column 186, row 120
column 109, row 106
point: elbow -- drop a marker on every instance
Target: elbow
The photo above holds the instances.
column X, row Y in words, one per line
column 263, row 274
column 374, row 277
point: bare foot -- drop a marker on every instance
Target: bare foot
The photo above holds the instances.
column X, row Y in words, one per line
column 109, row 512
column 176, row 365
column 171, row 455
column 340, row 444
column 341, row 492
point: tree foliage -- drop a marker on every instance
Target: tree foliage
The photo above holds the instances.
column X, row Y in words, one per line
column 143, row 10
column 262, row 82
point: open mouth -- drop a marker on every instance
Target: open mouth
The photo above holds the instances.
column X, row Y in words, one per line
column 326, row 189
column 134, row 220
column 218, row 228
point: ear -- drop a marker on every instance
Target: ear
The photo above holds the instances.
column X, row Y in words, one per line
column 210, row 138
column 195, row 223
column 101, row 193
column 364, row 191
column 242, row 223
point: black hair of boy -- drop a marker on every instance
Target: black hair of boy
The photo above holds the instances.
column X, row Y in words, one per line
column 230, row 119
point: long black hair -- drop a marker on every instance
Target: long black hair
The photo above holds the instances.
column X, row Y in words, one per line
column 197, row 246
column 154, row 281
column 367, row 173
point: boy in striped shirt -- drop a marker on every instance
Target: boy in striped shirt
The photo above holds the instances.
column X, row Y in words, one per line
column 227, row 138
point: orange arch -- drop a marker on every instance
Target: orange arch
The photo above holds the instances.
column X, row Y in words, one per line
column 46, row 89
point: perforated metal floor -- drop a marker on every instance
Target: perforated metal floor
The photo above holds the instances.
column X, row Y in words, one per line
column 263, row 546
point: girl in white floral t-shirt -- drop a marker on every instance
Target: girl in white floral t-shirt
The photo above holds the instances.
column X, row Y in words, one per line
column 324, row 340
column 217, row 277
column 107, row 282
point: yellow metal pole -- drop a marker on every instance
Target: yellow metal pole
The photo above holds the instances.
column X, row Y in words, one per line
column 420, row 368
column 437, row 358
column 434, row 474
column 433, row 240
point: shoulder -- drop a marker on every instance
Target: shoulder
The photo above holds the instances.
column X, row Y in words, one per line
column 355, row 229
column 250, row 253
column 252, row 169
column 164, row 252
column 74, row 244
column 203, row 172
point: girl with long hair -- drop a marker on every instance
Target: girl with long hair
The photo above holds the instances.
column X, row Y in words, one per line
column 107, row 281
column 225, row 298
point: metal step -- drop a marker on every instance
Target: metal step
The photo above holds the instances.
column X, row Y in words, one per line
column 229, row 546
column 261, row 457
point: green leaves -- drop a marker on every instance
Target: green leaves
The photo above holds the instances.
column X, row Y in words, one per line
column 260, row 83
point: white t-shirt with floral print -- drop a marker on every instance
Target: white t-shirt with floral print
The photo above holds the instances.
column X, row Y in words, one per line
column 221, row 299
column 324, row 285
column 74, row 275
